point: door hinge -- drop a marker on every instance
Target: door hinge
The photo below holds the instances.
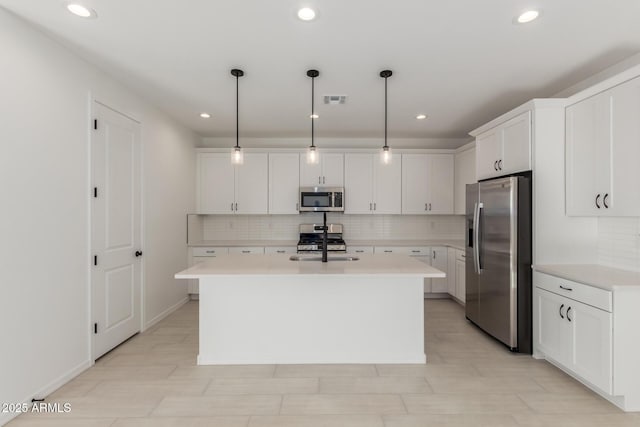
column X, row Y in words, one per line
column 95, row 260
column 95, row 192
column 95, row 124
column 95, row 328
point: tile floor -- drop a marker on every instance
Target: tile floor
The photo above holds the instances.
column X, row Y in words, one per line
column 469, row 380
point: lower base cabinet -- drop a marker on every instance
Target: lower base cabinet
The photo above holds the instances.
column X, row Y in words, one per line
column 456, row 273
column 590, row 333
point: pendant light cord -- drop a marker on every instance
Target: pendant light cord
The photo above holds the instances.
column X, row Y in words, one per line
column 237, row 111
column 385, row 112
column 312, row 109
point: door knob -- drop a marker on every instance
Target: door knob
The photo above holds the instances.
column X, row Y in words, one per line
column 138, row 253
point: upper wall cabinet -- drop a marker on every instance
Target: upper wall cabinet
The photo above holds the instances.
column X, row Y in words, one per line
column 602, row 153
column 328, row 172
column 504, row 149
column 465, row 173
column 370, row 186
column 427, row 184
column 284, row 184
column 223, row 188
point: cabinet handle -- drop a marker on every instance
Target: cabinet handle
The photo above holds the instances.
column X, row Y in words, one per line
column 561, row 307
column 597, row 198
column 323, row 179
column 495, row 165
column 434, row 254
column 425, row 207
column 232, row 207
column 500, row 164
column 429, row 206
column 604, row 200
column 568, row 310
column 359, row 251
column 565, row 288
column 280, row 252
column 388, row 251
column 319, row 180
column 413, row 251
column 210, row 252
column 246, row 252
column 370, row 206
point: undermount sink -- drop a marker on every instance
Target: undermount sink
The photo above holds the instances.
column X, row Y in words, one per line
column 319, row 258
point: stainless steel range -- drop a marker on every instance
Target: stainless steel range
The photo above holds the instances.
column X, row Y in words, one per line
column 311, row 239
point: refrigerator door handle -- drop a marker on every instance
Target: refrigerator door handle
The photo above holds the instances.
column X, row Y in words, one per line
column 476, row 238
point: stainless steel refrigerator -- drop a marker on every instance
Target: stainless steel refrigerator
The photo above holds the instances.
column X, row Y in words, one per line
column 498, row 259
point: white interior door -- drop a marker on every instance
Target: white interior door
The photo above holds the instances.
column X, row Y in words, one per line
column 116, row 229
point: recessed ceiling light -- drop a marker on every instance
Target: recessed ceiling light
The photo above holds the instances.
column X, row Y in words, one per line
column 527, row 16
column 81, row 11
column 306, row 14
column 205, row 115
column 314, row 116
column 421, row 116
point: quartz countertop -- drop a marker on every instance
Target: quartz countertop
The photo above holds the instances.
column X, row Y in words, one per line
column 599, row 276
column 456, row 244
column 278, row 264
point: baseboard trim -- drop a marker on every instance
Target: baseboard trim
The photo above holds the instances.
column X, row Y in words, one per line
column 165, row 313
column 48, row 389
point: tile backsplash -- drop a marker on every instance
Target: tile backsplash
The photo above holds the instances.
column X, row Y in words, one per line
column 356, row 227
column 619, row 242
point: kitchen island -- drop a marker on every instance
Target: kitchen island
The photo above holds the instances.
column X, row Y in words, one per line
column 268, row 309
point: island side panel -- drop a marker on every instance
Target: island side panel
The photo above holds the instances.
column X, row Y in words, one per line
column 311, row 319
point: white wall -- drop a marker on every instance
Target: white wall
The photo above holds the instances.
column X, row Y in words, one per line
column 44, row 211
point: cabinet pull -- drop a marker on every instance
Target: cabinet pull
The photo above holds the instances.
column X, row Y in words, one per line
column 434, row 254
column 231, row 207
column 565, row 288
column 561, row 307
column 429, row 206
column 280, row 252
column 500, row 164
column 359, row 251
column 604, row 201
column 236, row 207
column 370, row 206
column 425, row 207
column 319, row 180
column 597, row 198
column 568, row 310
column 210, row 252
column 388, row 251
column 413, row 251
column 246, row 252
column 323, row 179
column 495, row 165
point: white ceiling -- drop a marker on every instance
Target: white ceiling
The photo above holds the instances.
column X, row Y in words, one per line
column 461, row 62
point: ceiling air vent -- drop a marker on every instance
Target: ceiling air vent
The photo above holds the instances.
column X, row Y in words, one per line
column 335, row 99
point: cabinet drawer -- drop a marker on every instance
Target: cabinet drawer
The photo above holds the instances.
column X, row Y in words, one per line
column 209, row 251
column 246, row 250
column 404, row 250
column 359, row 249
column 280, row 250
column 586, row 294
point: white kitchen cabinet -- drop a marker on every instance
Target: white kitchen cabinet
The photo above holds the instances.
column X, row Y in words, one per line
column 421, row 253
column 451, row 271
column 504, row 149
column 284, row 183
column 270, row 250
column 602, row 150
column 328, row 172
column 460, row 276
column 465, row 173
column 356, row 250
column 372, row 187
column 427, row 183
column 439, row 261
column 223, row 188
column 576, row 335
column 201, row 254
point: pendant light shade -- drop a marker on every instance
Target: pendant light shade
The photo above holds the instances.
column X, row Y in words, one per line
column 236, row 154
column 385, row 155
column 312, row 154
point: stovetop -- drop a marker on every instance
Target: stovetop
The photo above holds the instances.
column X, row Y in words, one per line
column 311, row 239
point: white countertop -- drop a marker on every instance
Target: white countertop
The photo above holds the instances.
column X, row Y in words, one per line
column 456, row 244
column 599, row 276
column 274, row 265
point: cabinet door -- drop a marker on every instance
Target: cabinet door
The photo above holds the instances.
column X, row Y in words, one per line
column 274, row 250
column 358, row 183
column 440, row 184
column 592, row 344
column 451, row 271
column 310, row 174
column 554, row 331
column 415, row 176
column 332, row 169
column 488, row 152
column 624, row 198
column 439, row 261
column 284, row 183
column 252, row 184
column 516, row 144
column 465, row 173
column 246, row 250
column 387, row 186
column 588, row 143
column 460, row 278
column 215, row 184
column 355, row 250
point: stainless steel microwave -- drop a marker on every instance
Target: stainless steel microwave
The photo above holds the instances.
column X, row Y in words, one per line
column 321, row 199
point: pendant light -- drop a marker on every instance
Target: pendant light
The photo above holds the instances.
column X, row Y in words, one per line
column 312, row 154
column 385, row 155
column 237, row 157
